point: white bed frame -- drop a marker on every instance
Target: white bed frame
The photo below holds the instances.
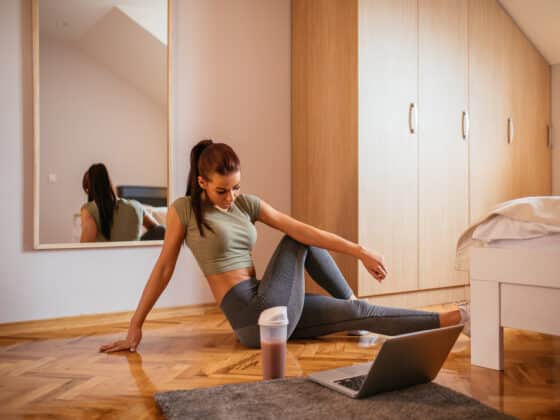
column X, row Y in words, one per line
column 511, row 287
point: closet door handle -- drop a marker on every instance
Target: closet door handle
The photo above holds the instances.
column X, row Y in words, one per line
column 549, row 137
column 412, row 118
column 465, row 125
column 510, row 130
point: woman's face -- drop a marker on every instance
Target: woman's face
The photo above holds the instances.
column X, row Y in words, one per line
column 221, row 190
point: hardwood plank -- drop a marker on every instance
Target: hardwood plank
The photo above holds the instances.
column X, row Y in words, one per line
column 64, row 376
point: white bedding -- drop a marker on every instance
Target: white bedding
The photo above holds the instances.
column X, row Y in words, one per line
column 524, row 222
column 502, row 227
column 551, row 241
column 159, row 213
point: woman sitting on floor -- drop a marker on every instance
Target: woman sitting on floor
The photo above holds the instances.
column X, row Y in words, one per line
column 217, row 223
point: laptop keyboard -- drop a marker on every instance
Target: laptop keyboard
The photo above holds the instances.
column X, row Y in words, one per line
column 354, row 383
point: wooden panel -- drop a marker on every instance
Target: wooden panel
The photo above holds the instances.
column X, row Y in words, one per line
column 543, row 154
column 521, row 92
column 547, row 68
column 491, row 156
column 420, row 298
column 324, row 120
column 525, row 100
column 532, row 162
column 388, row 152
column 530, row 308
column 535, row 267
column 443, row 152
column 36, row 120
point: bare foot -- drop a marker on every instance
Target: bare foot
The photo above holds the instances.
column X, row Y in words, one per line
column 458, row 316
column 447, row 319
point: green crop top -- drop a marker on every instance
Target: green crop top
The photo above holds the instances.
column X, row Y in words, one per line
column 229, row 246
column 128, row 217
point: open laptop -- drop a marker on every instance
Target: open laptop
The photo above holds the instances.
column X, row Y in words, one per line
column 403, row 360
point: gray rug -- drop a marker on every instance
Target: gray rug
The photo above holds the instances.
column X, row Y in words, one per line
column 299, row 398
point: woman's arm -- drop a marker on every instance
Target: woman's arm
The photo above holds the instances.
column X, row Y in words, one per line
column 313, row 236
column 163, row 270
column 89, row 228
column 158, row 281
column 149, row 221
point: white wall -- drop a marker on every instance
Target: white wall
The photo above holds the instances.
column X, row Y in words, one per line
column 556, row 129
column 89, row 115
column 232, row 81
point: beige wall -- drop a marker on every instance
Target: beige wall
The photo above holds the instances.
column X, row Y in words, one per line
column 231, row 81
column 556, row 129
column 90, row 115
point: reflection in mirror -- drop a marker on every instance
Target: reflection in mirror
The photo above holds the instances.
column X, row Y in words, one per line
column 105, row 217
column 102, row 110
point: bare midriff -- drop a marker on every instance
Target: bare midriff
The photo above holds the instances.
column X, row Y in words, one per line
column 221, row 283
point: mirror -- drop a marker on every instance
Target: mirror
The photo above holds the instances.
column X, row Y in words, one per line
column 101, row 122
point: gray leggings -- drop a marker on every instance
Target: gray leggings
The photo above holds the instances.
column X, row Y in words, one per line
column 311, row 315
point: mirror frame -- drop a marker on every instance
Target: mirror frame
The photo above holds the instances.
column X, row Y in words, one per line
column 37, row 245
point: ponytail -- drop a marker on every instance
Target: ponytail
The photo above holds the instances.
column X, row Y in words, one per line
column 207, row 158
column 193, row 187
column 97, row 184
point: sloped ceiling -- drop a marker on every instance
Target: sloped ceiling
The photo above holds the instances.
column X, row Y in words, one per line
column 128, row 37
column 129, row 51
column 540, row 21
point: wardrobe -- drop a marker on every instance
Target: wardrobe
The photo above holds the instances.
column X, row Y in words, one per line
column 411, row 119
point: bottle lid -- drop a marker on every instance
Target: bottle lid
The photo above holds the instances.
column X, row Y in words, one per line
column 274, row 317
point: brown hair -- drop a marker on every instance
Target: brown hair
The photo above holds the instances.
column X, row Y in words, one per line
column 207, row 158
column 97, row 185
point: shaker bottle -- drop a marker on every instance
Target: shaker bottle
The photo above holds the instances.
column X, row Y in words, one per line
column 273, row 325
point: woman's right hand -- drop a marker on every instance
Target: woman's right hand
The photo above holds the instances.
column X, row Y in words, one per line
column 130, row 343
column 374, row 263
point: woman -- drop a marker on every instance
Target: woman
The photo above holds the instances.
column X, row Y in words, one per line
column 217, row 223
column 108, row 218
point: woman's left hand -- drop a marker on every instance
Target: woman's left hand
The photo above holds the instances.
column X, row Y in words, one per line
column 373, row 262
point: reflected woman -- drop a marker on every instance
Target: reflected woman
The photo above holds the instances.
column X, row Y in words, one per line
column 105, row 217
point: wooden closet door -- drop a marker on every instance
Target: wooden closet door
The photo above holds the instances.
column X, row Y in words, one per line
column 490, row 154
column 388, row 152
column 443, row 151
column 542, row 181
column 325, row 121
column 518, row 55
column 525, row 99
column 532, row 170
column 547, row 115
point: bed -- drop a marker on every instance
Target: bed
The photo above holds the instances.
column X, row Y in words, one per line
column 513, row 256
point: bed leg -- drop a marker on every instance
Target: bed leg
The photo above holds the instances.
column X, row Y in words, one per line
column 487, row 337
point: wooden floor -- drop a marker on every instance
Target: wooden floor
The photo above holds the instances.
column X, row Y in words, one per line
column 53, row 368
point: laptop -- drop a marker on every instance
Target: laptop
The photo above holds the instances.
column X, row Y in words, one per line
column 403, row 360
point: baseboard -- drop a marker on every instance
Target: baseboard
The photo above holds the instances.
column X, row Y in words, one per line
column 420, row 298
column 115, row 318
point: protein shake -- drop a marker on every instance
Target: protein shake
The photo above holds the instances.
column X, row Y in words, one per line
column 273, row 325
